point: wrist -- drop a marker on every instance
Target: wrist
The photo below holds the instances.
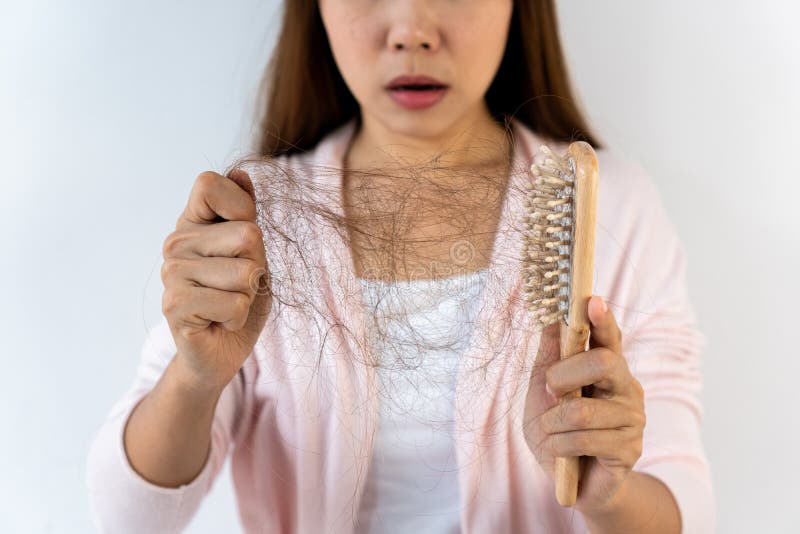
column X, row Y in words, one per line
column 613, row 505
column 189, row 383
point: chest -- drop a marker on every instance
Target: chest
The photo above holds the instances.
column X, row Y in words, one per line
column 415, row 228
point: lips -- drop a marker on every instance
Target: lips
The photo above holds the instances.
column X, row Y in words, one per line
column 415, row 83
column 416, row 92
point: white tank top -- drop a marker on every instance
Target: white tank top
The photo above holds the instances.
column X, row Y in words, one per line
column 412, row 482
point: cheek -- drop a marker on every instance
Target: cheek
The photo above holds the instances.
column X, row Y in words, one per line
column 353, row 47
column 479, row 61
column 479, row 44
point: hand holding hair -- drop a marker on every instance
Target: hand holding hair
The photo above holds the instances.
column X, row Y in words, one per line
column 217, row 290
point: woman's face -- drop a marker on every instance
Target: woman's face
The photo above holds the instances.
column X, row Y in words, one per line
column 458, row 42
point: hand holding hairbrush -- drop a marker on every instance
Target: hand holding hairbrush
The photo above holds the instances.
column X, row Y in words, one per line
column 558, row 265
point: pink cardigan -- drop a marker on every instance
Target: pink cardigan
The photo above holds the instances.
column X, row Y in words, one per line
column 298, row 419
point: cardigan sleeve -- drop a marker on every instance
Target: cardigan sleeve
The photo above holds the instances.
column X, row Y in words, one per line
column 120, row 500
column 663, row 345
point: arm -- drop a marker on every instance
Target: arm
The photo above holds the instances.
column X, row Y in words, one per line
column 161, row 485
column 643, row 504
column 663, row 347
column 168, row 434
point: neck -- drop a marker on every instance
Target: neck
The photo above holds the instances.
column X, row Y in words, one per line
column 476, row 141
column 409, row 216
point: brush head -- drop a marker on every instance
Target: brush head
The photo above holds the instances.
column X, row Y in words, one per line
column 549, row 236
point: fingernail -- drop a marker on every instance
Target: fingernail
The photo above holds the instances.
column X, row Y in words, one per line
column 547, row 388
column 603, row 305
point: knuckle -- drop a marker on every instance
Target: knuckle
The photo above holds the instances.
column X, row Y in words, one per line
column 604, row 361
column 247, row 274
column 581, row 414
column 169, row 268
column 543, row 423
column 562, row 411
column 641, row 419
column 242, row 304
column 250, row 236
column 632, row 449
column 173, row 244
column 171, row 301
column 206, row 180
column 168, row 248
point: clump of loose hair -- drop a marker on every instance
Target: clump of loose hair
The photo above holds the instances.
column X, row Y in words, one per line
column 383, row 220
column 406, row 222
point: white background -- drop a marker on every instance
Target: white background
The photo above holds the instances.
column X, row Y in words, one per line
column 109, row 109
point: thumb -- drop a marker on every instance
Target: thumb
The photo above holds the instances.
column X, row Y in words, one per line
column 242, row 179
column 604, row 329
column 262, row 279
column 261, row 282
column 262, row 303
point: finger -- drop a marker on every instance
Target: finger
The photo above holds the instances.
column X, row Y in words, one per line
column 242, row 179
column 548, row 353
column 604, row 331
column 606, row 443
column 599, row 367
column 583, row 413
column 227, row 274
column 196, row 306
column 215, row 198
column 233, row 239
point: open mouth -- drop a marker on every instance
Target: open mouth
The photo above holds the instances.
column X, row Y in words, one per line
column 418, row 87
column 416, row 97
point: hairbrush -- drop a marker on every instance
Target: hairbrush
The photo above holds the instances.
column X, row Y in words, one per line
column 558, row 263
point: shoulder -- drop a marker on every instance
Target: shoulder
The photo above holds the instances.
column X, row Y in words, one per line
column 625, row 186
column 639, row 254
column 628, row 198
column 629, row 205
column 318, row 166
column 281, row 185
column 272, row 175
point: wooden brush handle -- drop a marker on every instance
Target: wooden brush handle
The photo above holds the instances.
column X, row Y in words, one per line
column 575, row 335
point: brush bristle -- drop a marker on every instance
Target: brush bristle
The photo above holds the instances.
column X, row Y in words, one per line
column 547, row 242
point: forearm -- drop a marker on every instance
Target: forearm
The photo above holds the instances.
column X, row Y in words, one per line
column 167, row 436
column 644, row 504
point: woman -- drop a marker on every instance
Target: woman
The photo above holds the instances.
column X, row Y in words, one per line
column 353, row 290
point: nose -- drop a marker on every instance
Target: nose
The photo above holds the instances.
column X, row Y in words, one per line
column 412, row 41
column 414, row 31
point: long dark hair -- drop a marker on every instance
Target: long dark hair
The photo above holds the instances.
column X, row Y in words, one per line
column 303, row 95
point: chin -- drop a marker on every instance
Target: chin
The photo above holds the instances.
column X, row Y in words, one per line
column 419, row 122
